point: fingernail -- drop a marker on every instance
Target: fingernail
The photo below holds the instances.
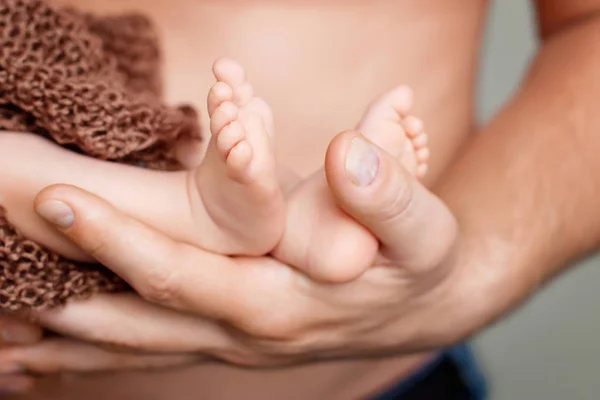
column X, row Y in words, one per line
column 362, row 162
column 18, row 335
column 56, row 212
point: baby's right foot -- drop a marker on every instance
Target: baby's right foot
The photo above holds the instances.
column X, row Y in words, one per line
column 237, row 181
column 387, row 123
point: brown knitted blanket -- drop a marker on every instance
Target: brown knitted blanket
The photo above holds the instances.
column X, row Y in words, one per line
column 91, row 84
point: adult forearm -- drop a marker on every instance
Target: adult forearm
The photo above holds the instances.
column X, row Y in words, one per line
column 526, row 189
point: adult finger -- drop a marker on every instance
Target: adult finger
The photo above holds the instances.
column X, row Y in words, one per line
column 414, row 226
column 159, row 269
column 126, row 321
column 66, row 355
column 235, row 290
column 129, row 324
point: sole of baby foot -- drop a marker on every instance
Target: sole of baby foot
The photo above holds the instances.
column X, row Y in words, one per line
column 238, row 181
column 388, row 123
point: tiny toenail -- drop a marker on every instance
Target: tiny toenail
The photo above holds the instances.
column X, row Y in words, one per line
column 56, row 212
column 362, row 162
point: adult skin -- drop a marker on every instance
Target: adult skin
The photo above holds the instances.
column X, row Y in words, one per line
column 514, row 233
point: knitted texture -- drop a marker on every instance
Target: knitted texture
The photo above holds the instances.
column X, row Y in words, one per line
column 91, row 84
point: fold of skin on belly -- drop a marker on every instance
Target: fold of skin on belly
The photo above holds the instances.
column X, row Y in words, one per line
column 318, row 64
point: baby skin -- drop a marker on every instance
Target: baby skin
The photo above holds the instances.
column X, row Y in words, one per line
column 233, row 202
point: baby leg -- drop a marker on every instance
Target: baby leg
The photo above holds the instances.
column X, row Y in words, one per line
column 30, row 163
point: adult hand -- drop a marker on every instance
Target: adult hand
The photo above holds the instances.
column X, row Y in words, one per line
column 257, row 311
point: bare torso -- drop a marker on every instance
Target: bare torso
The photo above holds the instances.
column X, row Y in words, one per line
column 318, row 64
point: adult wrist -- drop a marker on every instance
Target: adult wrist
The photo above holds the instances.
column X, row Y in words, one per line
column 487, row 281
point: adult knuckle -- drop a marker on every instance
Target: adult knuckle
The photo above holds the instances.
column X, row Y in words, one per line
column 274, row 341
column 398, row 203
column 162, row 284
column 278, row 328
column 98, row 244
column 278, row 325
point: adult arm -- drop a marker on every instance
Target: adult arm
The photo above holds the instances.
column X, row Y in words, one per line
column 525, row 190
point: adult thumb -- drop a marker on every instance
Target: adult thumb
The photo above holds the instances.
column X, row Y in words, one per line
column 414, row 226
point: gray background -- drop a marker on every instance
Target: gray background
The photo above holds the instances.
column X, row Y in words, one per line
column 549, row 348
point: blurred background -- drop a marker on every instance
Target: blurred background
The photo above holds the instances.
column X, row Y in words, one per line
column 549, row 349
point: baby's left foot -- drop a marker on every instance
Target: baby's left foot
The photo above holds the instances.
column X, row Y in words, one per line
column 237, row 181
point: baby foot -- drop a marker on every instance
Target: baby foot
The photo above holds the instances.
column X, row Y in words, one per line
column 237, row 180
column 388, row 124
column 320, row 238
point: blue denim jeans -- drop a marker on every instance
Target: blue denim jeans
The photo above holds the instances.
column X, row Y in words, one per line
column 453, row 375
